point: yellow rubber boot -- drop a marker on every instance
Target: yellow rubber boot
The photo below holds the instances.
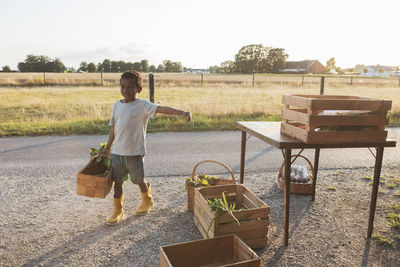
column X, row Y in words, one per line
column 118, row 211
column 147, row 202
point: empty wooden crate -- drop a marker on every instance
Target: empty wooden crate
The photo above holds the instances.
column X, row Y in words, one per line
column 327, row 119
column 252, row 213
column 226, row 251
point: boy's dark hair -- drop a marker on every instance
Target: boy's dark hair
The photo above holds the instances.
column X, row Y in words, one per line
column 133, row 75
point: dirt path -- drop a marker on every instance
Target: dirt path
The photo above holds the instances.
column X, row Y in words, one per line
column 44, row 223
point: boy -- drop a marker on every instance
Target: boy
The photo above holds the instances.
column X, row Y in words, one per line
column 128, row 126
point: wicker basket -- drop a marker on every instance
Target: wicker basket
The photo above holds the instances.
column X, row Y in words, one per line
column 221, row 181
column 90, row 185
column 297, row 188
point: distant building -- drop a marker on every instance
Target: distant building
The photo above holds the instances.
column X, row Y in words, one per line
column 305, row 66
column 205, row 71
column 377, row 71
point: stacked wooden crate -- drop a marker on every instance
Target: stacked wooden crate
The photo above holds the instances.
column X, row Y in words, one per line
column 318, row 119
column 252, row 213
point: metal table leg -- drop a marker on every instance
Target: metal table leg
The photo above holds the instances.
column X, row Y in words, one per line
column 288, row 156
column 377, row 175
column 316, row 162
column 242, row 156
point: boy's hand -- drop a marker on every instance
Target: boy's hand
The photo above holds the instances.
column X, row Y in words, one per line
column 188, row 116
column 105, row 153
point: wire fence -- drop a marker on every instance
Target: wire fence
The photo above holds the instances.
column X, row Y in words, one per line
column 181, row 79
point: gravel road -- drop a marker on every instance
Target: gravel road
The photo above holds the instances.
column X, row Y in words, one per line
column 44, row 223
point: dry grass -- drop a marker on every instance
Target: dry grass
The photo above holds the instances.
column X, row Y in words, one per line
column 187, row 80
column 66, row 103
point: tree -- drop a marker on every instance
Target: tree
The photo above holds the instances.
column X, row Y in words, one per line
column 144, row 65
column 83, row 66
column 160, row 68
column 41, row 63
column 105, row 66
column 249, row 57
column 215, row 69
column 6, row 68
column 275, row 60
column 228, row 66
column 114, row 66
column 91, row 67
column 152, row 68
column 330, row 64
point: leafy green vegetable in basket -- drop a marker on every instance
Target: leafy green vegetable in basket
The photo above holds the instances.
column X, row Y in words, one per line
column 106, row 161
column 201, row 180
column 221, row 206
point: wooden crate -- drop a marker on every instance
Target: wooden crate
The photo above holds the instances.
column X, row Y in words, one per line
column 89, row 185
column 226, row 250
column 304, row 118
column 254, row 218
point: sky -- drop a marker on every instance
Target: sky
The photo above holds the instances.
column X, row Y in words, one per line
column 199, row 34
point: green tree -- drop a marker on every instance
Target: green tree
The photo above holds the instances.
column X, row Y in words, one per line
column 83, row 66
column 91, row 67
column 250, row 57
column 105, row 66
column 41, row 63
column 152, row 68
column 114, row 66
column 160, row 68
column 136, row 66
column 6, row 68
column 275, row 60
column 228, row 66
column 330, row 64
column 215, row 69
column 144, row 65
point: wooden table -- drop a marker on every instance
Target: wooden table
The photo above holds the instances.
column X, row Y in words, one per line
column 269, row 132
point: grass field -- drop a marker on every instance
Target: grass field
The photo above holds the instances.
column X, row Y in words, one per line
column 86, row 110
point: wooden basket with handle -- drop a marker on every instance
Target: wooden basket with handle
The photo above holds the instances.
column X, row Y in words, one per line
column 221, row 181
column 90, row 185
column 297, row 188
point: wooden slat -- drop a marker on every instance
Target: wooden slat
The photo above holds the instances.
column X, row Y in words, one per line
column 257, row 226
column 217, row 190
column 296, row 132
column 164, row 262
column 343, row 104
column 254, row 198
column 297, row 116
column 332, row 120
column 247, row 253
column 325, row 137
column 297, row 101
column 257, row 242
column 248, row 263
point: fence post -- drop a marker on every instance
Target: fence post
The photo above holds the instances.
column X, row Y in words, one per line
column 253, row 79
column 201, row 79
column 321, row 90
column 101, row 78
column 151, row 87
column 302, row 80
column 351, row 81
column 44, row 78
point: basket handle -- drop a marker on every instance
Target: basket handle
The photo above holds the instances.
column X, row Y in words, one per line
column 306, row 159
column 217, row 162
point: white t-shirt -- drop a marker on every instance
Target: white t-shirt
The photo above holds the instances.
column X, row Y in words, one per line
column 130, row 124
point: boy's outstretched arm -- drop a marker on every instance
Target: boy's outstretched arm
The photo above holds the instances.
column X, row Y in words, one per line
column 111, row 136
column 172, row 111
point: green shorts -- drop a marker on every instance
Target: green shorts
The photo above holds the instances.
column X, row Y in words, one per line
column 128, row 167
